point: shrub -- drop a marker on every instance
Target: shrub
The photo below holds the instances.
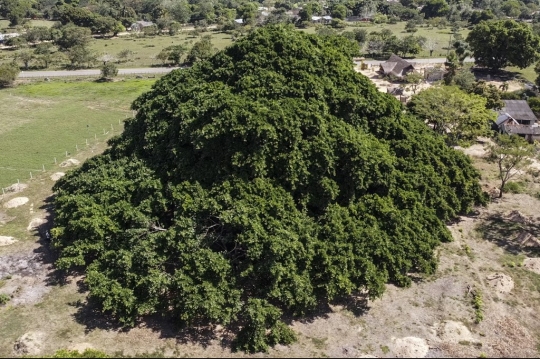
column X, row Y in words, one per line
column 109, row 70
column 4, row 298
column 8, row 74
column 88, row 353
column 514, row 187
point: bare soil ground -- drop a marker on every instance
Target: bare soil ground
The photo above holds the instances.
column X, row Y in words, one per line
column 494, row 254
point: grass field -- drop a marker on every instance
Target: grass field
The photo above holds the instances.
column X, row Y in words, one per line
column 42, row 121
column 145, row 49
column 4, row 24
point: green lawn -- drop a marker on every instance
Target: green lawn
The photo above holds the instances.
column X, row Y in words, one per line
column 42, row 121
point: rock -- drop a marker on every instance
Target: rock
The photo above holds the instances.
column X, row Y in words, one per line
column 410, row 347
column 6, row 241
column 532, row 264
column 501, row 282
column 56, row 176
column 450, row 331
column 69, row 162
column 16, row 202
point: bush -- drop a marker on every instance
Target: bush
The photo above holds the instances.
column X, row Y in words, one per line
column 109, row 70
column 88, row 353
column 8, row 74
column 4, row 298
column 515, row 187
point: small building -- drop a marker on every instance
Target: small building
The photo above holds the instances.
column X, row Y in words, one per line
column 239, row 21
column 4, row 37
column 140, row 25
column 396, row 66
column 517, row 118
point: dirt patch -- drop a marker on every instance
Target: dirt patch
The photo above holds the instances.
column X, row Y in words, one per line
column 532, row 264
column 4, row 218
column 6, row 241
column 56, row 176
column 28, row 275
column 29, row 343
column 477, row 150
column 517, row 216
column 450, row 331
column 16, row 202
column 410, row 347
column 500, row 282
column 69, row 162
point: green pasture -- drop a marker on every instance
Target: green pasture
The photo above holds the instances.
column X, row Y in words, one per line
column 41, row 121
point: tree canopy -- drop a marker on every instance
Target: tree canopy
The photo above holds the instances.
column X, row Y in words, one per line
column 497, row 44
column 264, row 181
column 453, row 113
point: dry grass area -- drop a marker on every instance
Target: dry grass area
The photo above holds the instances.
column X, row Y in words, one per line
column 435, row 317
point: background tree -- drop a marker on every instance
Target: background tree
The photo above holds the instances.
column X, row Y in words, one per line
column 430, row 45
column 25, row 56
column 44, row 53
column 464, row 79
column 435, row 8
column 512, row 154
column 339, row 11
column 490, row 92
column 247, row 189
column 15, row 10
column 125, row 55
column 537, row 71
column 452, row 113
column 497, row 44
column 414, row 79
column 451, row 65
column 81, row 56
column 201, row 50
column 8, row 74
column 72, row 36
column 108, row 71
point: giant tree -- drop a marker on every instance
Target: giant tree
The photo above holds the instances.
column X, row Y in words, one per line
column 497, row 44
column 262, row 182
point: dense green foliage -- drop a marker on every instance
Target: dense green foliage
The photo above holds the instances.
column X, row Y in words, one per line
column 453, row 113
column 265, row 181
column 497, row 44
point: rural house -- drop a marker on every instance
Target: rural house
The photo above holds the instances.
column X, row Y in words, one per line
column 140, row 25
column 396, row 66
column 516, row 117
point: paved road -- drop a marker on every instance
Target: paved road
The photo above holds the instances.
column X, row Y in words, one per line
column 95, row 72
column 164, row 70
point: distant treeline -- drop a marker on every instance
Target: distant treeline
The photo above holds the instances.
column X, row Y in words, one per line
column 105, row 16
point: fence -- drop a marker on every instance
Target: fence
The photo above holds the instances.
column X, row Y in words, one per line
column 59, row 161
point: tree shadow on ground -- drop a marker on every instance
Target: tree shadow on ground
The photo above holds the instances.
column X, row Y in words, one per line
column 511, row 235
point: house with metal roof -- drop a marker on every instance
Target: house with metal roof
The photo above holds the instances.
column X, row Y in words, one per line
column 516, row 117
